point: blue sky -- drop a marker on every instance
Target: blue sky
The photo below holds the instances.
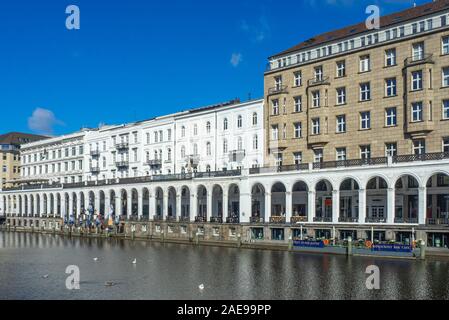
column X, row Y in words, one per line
column 136, row 59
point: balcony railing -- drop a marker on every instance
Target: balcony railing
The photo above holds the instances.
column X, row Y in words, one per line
column 95, row 153
column 376, row 220
column 155, row 163
column 122, row 164
column 184, row 219
column 277, row 90
column 298, row 219
column 216, row 219
column 122, row 146
column 200, row 219
column 322, row 219
column 350, row 163
column 406, row 220
column 232, row 220
column 294, row 167
column 277, row 219
column 256, row 220
column 319, row 81
column 95, row 170
column 193, row 160
column 348, row 219
column 418, row 59
column 171, row 219
column 437, row 221
column 158, row 218
column 421, row 157
column 215, row 174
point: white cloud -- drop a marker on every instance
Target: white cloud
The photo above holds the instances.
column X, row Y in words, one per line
column 43, row 121
column 236, row 58
column 257, row 31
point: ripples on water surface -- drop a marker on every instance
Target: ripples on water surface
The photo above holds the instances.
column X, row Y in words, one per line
column 169, row 271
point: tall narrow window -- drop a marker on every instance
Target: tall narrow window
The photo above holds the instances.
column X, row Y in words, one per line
column 417, row 80
column 275, row 107
column 390, row 87
column 390, row 57
column 298, row 103
column 255, row 119
column 418, row 51
column 298, row 79
column 391, row 149
column 340, row 154
column 390, row 117
column 239, row 121
column 445, row 109
column 364, row 63
column 316, row 99
column 341, row 124
column 445, row 77
column 341, row 96
column 445, row 45
column 417, row 111
column 225, row 124
column 419, row 147
column 365, row 91
column 365, row 120
column 316, row 126
column 297, row 130
column 341, row 69
column 365, row 152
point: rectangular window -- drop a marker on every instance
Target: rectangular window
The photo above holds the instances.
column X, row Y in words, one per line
column 298, row 103
column 364, row 63
column 274, row 132
column 297, row 130
column 298, row 79
column 316, row 126
column 341, row 124
column 446, row 144
column 390, row 87
column 297, row 157
column 365, row 92
column 341, row 96
column 390, row 117
column 278, row 83
column 390, row 57
column 365, row 120
column 418, row 51
column 445, row 109
column 419, row 147
column 365, row 152
column 417, row 80
column 316, row 99
column 341, row 154
column 445, row 45
column 445, row 77
column 341, row 69
column 443, row 21
column 417, row 111
column 318, row 155
column 391, row 149
column 318, row 73
column 275, row 107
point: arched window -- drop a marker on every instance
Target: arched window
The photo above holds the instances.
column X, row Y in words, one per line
column 254, row 118
column 225, row 146
column 225, row 124
column 255, row 142
column 208, row 148
column 239, row 121
column 208, row 168
column 208, row 127
column 169, row 154
column 240, row 143
column 195, row 130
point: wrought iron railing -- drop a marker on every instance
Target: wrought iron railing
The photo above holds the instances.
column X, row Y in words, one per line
column 200, row 219
column 322, row 219
column 318, row 81
column 256, row 220
column 348, row 219
column 406, row 220
column 376, row 220
column 232, row 220
column 418, row 59
column 122, row 145
column 298, row 219
column 277, row 219
column 437, row 221
column 421, row 157
column 216, row 219
column 277, row 90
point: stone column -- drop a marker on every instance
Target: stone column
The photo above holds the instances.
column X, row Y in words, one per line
column 165, row 205
column 140, row 205
column 118, row 205
column 23, row 204
column 391, row 205
column 422, row 205
column 97, row 202
column 152, row 204
column 311, row 206
column 225, row 206
column 78, row 206
column 335, row 205
column 245, row 206
column 63, row 207
column 193, row 207
column 71, row 204
column 178, row 204
column 209, row 206
column 267, row 207
column 129, row 203
column 36, row 211
column 29, row 205
column 288, row 206
column 362, row 206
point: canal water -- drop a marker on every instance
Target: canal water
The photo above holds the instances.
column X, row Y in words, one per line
column 32, row 266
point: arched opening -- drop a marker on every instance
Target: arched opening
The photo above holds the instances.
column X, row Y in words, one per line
column 257, row 203
column 438, row 200
column 134, row 203
column 159, row 197
column 31, row 205
column 91, row 203
column 82, row 203
column 171, row 203
column 406, row 200
column 102, row 203
column 202, row 204
column 123, row 203
column 146, row 203
column 323, row 201
column 26, row 208
column 185, row 204
column 349, row 201
column 112, row 198
column 52, row 204
column 38, row 205
column 20, row 206
column 234, row 204
column 4, row 210
column 67, row 206
column 217, row 204
column 74, row 205
column 376, row 200
column 45, row 208
column 300, row 196
column 278, row 202
column 58, row 205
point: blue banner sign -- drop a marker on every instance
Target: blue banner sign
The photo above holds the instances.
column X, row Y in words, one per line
column 392, row 248
column 308, row 244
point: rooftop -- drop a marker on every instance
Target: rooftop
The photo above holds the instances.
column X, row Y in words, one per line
column 385, row 21
column 19, row 138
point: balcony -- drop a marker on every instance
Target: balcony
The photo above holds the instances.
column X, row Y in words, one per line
column 406, row 220
column 95, row 153
column 277, row 219
column 200, row 219
column 158, row 218
column 318, row 139
column 277, row 90
column 122, row 164
column 318, row 81
column 418, row 59
column 298, row 219
column 155, row 163
column 421, row 157
column 275, row 169
column 256, row 220
column 376, row 220
column 237, row 155
column 437, row 222
column 232, row 220
column 322, row 219
column 350, row 163
column 420, row 127
column 95, row 170
column 171, row 219
column 193, row 160
column 348, row 219
column 184, row 219
column 122, row 146
column 216, row 219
